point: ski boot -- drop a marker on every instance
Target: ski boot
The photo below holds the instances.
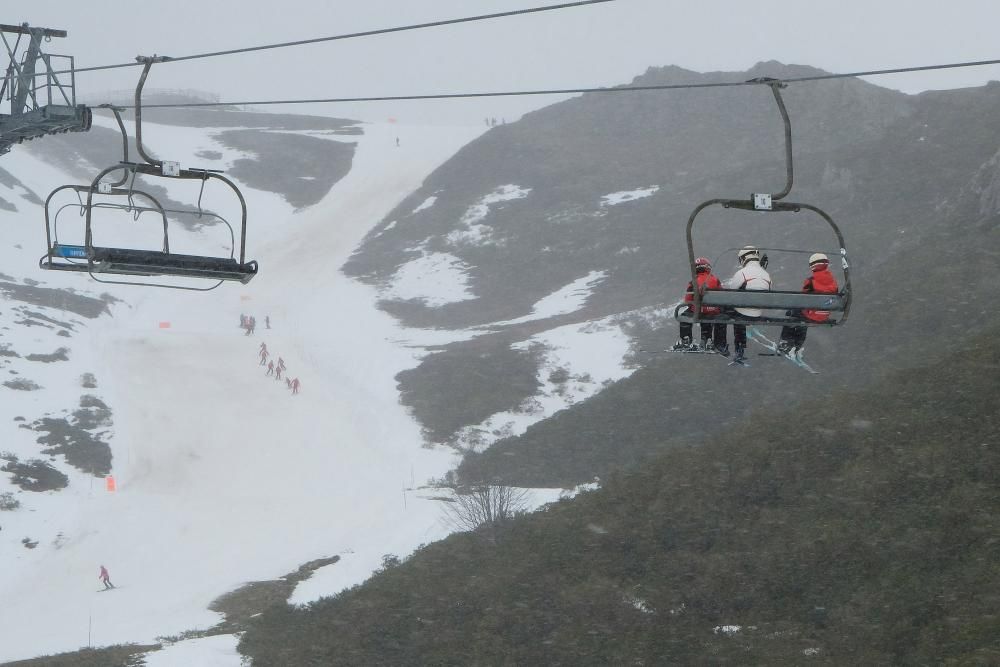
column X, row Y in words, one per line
column 683, row 345
column 708, row 345
column 740, row 353
column 723, row 349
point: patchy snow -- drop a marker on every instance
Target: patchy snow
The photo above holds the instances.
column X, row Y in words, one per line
column 356, row 565
column 639, row 604
column 616, row 198
column 436, row 278
column 470, row 230
column 427, row 203
column 580, row 488
column 565, row 300
column 222, row 476
column 728, row 630
column 578, row 361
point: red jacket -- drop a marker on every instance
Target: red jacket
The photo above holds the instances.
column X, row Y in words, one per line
column 709, row 281
column 820, row 282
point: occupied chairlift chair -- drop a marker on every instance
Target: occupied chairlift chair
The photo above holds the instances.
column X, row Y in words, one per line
column 774, row 303
column 125, row 261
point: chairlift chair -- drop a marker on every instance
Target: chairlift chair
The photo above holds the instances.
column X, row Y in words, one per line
column 775, row 303
column 103, row 259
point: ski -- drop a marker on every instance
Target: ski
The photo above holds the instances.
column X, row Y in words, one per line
column 754, row 334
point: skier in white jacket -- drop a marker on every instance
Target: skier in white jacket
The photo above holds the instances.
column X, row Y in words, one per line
column 750, row 276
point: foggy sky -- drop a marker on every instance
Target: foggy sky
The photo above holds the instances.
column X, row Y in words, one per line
column 599, row 45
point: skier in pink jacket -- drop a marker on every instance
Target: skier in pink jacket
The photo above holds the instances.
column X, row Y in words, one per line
column 105, row 578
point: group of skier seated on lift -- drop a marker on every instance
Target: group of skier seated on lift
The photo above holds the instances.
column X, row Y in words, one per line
column 753, row 275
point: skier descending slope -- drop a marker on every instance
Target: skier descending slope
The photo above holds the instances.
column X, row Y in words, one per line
column 105, row 578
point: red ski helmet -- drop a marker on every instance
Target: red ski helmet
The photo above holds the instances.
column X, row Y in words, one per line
column 702, row 264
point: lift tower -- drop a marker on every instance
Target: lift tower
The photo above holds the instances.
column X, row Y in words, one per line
column 40, row 102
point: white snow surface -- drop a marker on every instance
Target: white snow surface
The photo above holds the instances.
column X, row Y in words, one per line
column 436, row 278
column 565, row 300
column 427, row 203
column 223, row 477
column 471, row 230
column 616, row 198
column 580, row 360
column 215, row 651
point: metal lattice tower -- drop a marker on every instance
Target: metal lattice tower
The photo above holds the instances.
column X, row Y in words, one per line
column 40, row 102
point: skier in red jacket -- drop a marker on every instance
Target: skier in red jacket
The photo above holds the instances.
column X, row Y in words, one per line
column 105, row 578
column 793, row 337
column 713, row 336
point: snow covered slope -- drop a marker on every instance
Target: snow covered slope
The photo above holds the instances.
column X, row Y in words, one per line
column 222, row 475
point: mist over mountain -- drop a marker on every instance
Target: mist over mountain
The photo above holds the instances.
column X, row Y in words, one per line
column 523, row 284
column 909, row 180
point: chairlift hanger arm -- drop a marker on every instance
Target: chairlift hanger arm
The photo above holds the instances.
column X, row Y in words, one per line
column 776, row 85
column 147, row 62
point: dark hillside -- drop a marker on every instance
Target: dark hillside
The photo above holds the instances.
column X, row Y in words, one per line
column 859, row 528
column 692, row 144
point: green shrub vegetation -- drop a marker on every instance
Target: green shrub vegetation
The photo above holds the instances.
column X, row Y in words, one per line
column 860, row 528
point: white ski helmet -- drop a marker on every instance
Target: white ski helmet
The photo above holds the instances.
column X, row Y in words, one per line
column 748, row 253
column 818, row 258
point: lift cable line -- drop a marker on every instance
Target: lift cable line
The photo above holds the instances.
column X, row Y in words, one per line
column 366, row 33
column 574, row 91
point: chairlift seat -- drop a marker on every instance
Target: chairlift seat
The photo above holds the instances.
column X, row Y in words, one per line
column 150, row 263
column 777, row 299
column 774, row 304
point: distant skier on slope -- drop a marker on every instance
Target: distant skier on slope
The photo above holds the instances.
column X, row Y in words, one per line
column 105, row 578
column 277, row 371
column 295, row 386
column 267, row 321
column 270, row 368
column 264, row 354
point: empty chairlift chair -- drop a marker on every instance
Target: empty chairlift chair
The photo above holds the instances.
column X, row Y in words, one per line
column 98, row 258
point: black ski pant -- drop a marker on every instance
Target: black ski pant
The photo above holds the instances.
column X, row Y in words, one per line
column 794, row 334
column 717, row 332
column 740, row 330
